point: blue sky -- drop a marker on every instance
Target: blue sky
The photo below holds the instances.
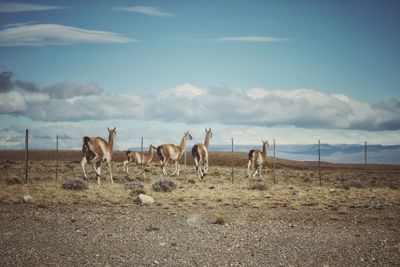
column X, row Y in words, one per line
column 295, row 71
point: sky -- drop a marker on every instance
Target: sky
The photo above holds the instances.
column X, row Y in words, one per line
column 293, row 71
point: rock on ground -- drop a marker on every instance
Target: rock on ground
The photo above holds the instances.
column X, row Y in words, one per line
column 145, row 199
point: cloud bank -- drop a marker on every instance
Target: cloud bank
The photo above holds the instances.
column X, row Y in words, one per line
column 55, row 34
column 189, row 104
column 146, row 10
column 253, row 38
column 12, row 7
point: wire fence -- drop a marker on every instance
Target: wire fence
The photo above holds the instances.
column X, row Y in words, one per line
column 363, row 153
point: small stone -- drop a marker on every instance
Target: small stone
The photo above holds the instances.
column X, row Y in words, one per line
column 145, row 199
column 27, row 199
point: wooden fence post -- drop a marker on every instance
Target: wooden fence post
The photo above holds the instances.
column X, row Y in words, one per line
column 26, row 156
column 232, row 173
column 319, row 161
column 366, row 156
column 57, row 157
column 274, row 163
column 141, row 158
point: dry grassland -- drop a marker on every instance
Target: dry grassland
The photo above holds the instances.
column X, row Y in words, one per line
column 344, row 187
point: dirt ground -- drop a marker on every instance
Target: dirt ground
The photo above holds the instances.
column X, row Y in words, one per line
column 352, row 219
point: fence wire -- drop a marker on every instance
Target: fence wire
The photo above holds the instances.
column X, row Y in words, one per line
column 364, row 153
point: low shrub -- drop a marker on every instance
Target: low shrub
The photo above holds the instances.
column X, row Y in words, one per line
column 258, row 186
column 137, row 191
column 191, row 181
column 134, row 185
column 78, row 184
column 13, row 180
column 164, row 185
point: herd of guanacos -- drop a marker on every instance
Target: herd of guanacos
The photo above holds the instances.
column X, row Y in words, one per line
column 96, row 150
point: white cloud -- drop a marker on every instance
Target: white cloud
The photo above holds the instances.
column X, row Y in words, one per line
column 12, row 102
column 54, row 34
column 187, row 91
column 251, row 38
column 67, row 90
column 303, row 108
column 11, row 7
column 147, row 10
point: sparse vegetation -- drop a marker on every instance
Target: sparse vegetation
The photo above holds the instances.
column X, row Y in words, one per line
column 191, row 181
column 137, row 191
column 78, row 184
column 134, row 185
column 13, row 180
column 348, row 181
column 258, row 186
column 164, row 185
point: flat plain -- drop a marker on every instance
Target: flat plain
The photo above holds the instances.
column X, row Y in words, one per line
column 285, row 218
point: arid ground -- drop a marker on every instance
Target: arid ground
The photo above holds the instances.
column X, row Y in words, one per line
column 351, row 219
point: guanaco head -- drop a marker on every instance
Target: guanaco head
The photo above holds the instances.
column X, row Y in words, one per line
column 188, row 136
column 208, row 132
column 112, row 132
column 265, row 143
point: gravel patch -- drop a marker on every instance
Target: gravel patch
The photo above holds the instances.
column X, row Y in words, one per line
column 63, row 235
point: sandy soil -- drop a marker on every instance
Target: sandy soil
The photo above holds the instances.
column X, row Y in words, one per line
column 352, row 219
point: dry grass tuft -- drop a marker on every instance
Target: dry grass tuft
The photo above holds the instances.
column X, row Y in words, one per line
column 137, row 191
column 164, row 185
column 191, row 181
column 134, row 185
column 352, row 183
column 258, row 186
column 220, row 219
column 13, row 180
column 78, row 184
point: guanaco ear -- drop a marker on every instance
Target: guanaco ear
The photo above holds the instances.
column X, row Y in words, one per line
column 108, row 128
column 205, row 129
column 115, row 128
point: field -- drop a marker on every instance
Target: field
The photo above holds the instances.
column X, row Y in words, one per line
column 353, row 218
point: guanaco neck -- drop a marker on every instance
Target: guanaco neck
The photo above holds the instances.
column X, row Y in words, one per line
column 151, row 151
column 264, row 152
column 182, row 146
column 111, row 137
column 207, row 140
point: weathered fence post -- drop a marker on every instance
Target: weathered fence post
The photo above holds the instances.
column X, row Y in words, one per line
column 366, row 156
column 26, row 156
column 57, row 157
column 274, row 163
column 141, row 158
column 319, row 161
column 232, row 173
